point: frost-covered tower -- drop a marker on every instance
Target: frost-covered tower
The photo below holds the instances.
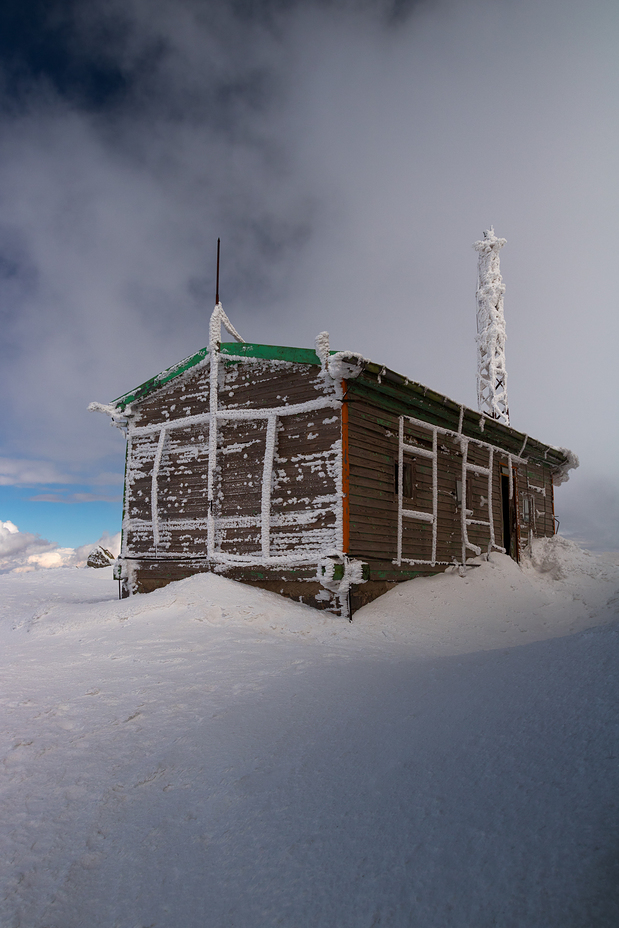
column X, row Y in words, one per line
column 491, row 372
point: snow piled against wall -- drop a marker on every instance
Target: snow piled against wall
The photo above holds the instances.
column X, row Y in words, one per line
column 22, row 552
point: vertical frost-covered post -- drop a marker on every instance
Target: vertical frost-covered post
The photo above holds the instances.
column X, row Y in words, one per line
column 218, row 317
column 491, row 372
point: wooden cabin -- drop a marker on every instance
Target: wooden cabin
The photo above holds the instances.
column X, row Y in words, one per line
column 322, row 476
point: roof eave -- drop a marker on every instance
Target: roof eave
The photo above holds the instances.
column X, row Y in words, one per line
column 504, row 435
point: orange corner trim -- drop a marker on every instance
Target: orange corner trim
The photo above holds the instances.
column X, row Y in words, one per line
column 345, row 477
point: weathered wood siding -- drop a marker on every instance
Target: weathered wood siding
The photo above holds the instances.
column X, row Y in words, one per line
column 535, row 502
column 305, row 492
column 373, row 452
column 373, row 443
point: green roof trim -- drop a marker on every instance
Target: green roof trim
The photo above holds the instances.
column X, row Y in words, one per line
column 160, row 379
column 232, row 349
column 271, row 352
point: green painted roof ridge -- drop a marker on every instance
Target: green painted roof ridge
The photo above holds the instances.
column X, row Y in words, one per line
column 159, row 380
column 231, row 350
column 271, row 352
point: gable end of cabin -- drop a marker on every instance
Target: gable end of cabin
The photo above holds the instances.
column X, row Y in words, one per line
column 256, row 496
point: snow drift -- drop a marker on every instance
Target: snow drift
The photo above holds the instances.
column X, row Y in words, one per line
column 212, row 754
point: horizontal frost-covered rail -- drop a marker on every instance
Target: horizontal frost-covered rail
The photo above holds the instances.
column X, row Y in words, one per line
column 253, row 413
column 278, row 520
column 415, row 449
column 242, row 560
column 417, row 514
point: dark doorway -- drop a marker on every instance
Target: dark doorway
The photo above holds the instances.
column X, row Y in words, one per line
column 506, row 520
column 510, row 528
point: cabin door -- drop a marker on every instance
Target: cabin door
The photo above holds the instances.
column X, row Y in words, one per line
column 509, row 508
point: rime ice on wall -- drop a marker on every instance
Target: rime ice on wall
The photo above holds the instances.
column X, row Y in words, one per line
column 491, row 373
column 242, row 468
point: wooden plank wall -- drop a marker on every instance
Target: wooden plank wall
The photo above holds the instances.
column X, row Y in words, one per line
column 373, row 453
column 304, row 485
column 535, row 485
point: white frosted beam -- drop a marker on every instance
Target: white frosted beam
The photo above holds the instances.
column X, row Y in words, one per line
column 267, row 477
column 154, row 494
column 491, row 336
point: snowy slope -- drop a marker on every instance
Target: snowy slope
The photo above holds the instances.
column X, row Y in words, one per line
column 214, row 755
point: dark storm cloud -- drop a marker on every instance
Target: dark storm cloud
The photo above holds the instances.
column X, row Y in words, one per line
column 40, row 44
column 94, row 54
column 133, row 133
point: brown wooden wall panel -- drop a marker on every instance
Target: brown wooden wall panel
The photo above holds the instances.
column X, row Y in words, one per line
column 139, row 540
column 373, row 449
column 305, row 473
column 187, row 395
column 258, row 384
column 181, row 481
column 373, row 443
column 240, row 456
column 252, row 383
column 315, row 536
column 535, row 501
column 239, row 539
column 137, row 531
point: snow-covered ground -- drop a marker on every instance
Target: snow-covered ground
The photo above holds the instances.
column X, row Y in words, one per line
column 214, row 755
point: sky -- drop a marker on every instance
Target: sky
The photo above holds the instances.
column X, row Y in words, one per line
column 348, row 154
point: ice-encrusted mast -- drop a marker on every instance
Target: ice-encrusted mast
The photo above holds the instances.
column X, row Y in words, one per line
column 491, row 372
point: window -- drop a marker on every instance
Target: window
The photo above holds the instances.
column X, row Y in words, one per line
column 408, row 478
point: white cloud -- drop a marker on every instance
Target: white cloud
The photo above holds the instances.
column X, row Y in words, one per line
column 76, row 498
column 21, row 552
column 20, row 472
column 107, row 478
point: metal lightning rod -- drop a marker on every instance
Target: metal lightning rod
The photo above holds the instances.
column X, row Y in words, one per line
column 217, row 284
